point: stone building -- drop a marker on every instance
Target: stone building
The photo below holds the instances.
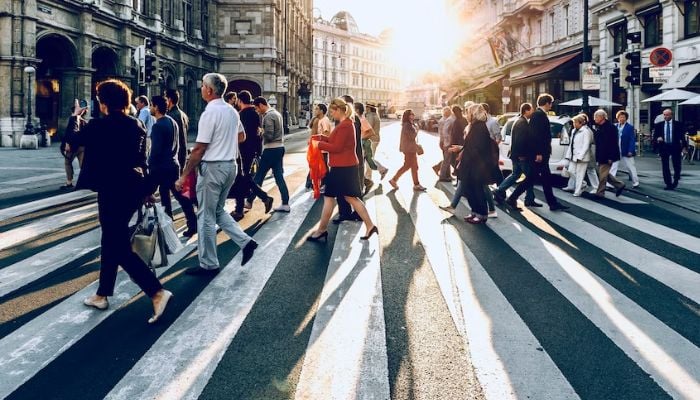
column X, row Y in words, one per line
column 74, row 44
column 347, row 61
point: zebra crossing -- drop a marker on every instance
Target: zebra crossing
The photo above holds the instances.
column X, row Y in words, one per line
column 599, row 302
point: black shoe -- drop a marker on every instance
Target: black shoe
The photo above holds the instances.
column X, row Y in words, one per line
column 513, row 203
column 268, row 204
column 532, row 204
column 668, row 187
column 619, row 190
column 558, row 207
column 323, row 236
column 499, row 197
column 675, row 184
column 190, row 232
column 237, row 216
column 370, row 233
column 199, row 271
column 67, row 186
column 248, row 251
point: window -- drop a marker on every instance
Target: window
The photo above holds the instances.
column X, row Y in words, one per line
column 167, row 12
column 205, row 21
column 653, row 29
column 551, row 27
column 566, row 21
column 618, row 33
column 187, row 17
column 692, row 18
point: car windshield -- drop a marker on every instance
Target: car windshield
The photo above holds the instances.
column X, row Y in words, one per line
column 556, row 129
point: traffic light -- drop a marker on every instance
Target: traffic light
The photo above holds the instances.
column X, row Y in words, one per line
column 149, row 67
column 620, row 72
column 634, row 37
column 634, row 68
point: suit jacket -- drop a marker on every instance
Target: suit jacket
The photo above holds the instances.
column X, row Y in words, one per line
column 678, row 142
column 522, row 139
column 183, row 123
column 541, row 134
column 607, row 147
column 628, row 141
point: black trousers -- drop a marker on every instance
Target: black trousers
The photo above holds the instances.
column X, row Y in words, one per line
column 538, row 170
column 254, row 189
column 676, row 158
column 166, row 186
column 115, row 211
column 476, row 197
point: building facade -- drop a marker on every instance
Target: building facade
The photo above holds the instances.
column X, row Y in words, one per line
column 74, row 44
column 347, row 61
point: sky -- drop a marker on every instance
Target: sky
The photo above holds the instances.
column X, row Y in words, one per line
column 422, row 29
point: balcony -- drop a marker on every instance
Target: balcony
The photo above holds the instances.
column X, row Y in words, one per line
column 513, row 8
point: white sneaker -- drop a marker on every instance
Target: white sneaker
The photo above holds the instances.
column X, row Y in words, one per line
column 92, row 301
column 493, row 214
column 577, row 194
column 636, row 184
column 247, row 205
column 283, row 208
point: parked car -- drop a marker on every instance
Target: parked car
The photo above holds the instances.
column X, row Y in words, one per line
column 503, row 118
column 429, row 120
column 560, row 129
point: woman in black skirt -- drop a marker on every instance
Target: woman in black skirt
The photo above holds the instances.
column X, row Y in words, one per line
column 342, row 179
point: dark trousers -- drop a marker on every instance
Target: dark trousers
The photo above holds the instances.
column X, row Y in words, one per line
column 537, row 170
column 115, row 211
column 476, row 198
column 166, row 185
column 255, row 189
column 272, row 159
column 675, row 157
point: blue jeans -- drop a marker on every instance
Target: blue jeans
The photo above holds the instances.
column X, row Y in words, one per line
column 519, row 167
column 272, row 159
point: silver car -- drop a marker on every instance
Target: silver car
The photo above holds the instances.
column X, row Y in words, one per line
column 560, row 127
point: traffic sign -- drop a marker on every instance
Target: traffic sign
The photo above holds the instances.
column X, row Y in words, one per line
column 282, row 83
column 660, row 57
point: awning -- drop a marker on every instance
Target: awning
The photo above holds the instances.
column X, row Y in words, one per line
column 545, row 67
column 485, row 83
column 682, row 76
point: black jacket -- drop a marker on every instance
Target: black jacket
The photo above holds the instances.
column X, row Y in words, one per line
column 457, row 131
column 678, row 142
column 115, row 155
column 607, row 146
column 183, row 124
column 541, row 134
column 74, row 125
column 478, row 157
column 521, row 140
column 252, row 145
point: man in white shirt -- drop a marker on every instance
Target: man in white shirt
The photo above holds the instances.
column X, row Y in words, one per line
column 214, row 154
column 144, row 113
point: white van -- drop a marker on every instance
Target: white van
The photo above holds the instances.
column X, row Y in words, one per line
column 560, row 127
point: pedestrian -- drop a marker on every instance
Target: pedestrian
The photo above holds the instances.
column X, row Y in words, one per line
column 232, row 99
column 669, row 137
column 444, row 127
column 342, row 179
column 579, row 153
column 376, row 124
column 409, row 147
column 163, row 163
column 172, row 98
column 250, row 151
column 114, row 166
column 75, row 123
column 628, row 145
column 144, row 113
column 366, row 134
column 522, row 156
column 320, row 125
column 542, row 141
column 607, row 151
column 213, row 156
column 476, row 160
column 272, row 157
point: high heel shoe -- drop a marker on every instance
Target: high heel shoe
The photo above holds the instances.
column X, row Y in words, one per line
column 370, row 233
column 318, row 238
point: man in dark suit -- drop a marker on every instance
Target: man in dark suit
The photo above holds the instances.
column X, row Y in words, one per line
column 521, row 153
column 542, row 145
column 607, row 151
column 669, row 136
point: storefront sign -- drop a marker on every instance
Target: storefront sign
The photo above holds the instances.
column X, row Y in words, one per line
column 590, row 76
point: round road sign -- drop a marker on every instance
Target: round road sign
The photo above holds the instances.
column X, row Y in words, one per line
column 660, row 57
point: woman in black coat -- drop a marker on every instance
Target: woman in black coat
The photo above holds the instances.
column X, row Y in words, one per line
column 115, row 167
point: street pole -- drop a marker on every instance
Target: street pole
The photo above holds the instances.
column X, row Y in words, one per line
column 29, row 128
column 586, row 54
column 285, row 111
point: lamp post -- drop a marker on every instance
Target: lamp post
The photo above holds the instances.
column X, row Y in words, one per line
column 29, row 129
column 285, row 110
column 586, row 53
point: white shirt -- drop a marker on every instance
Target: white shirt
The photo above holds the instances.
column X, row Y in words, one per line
column 147, row 119
column 219, row 126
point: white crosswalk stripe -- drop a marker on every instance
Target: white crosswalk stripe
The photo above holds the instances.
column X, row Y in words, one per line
column 346, row 355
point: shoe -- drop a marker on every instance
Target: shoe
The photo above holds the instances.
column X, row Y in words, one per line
column 475, row 220
column 237, row 216
column 248, row 251
column 199, row 271
column 436, row 169
column 532, row 204
column 248, row 205
column 283, row 208
column 635, row 185
column 92, row 301
column 499, row 196
column 394, row 184
column 558, row 207
column 668, row 187
column 513, row 203
column 568, row 189
column 449, row 209
column 67, row 186
column 190, row 232
column 268, row 204
column 675, row 184
column 619, row 190
column 419, row 188
column 323, row 236
column 577, row 194
column 493, row 214
column 521, row 178
column 160, row 308
column 382, row 173
column 370, row 233
column 368, row 182
column 584, row 185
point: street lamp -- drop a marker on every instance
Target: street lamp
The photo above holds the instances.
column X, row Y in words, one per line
column 29, row 129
